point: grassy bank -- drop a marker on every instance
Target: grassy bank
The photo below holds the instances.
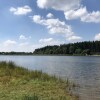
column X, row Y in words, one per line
column 17, row 83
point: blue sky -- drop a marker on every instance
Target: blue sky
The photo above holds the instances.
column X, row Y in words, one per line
column 29, row 24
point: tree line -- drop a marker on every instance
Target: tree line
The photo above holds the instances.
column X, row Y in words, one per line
column 16, row 53
column 79, row 48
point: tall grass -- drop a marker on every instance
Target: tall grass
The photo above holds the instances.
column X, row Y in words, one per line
column 39, row 84
column 10, row 69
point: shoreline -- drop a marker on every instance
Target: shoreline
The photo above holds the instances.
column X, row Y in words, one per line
column 19, row 83
column 44, row 55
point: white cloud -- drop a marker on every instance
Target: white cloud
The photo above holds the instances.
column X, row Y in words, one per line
column 21, row 10
column 74, row 38
column 37, row 19
column 45, row 40
column 63, row 5
column 97, row 37
column 55, row 26
column 91, row 17
column 49, row 15
column 74, row 14
column 9, row 43
column 49, row 41
column 83, row 15
column 9, row 46
column 73, row 9
column 22, row 37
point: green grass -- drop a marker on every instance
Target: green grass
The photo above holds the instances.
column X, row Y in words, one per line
column 17, row 83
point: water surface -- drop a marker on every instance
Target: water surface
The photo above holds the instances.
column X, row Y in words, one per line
column 83, row 70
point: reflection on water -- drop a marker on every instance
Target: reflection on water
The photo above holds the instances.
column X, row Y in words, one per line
column 85, row 71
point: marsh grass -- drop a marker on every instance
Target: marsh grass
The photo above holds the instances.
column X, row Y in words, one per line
column 18, row 83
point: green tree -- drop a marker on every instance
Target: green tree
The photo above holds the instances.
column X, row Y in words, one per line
column 78, row 51
column 71, row 49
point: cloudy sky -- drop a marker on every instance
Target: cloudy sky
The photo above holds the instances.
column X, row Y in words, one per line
column 29, row 24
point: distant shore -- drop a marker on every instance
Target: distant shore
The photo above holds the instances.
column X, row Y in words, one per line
column 46, row 55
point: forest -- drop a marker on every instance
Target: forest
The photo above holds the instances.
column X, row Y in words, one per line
column 79, row 48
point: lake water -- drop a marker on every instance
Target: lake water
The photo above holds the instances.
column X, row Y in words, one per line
column 83, row 70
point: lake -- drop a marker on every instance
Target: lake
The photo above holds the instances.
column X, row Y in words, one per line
column 83, row 70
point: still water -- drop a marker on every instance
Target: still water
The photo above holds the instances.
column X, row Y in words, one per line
column 83, row 70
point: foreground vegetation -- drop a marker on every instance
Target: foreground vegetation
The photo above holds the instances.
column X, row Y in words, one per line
column 17, row 83
column 79, row 48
